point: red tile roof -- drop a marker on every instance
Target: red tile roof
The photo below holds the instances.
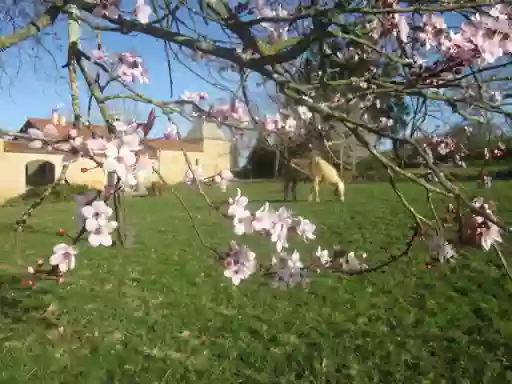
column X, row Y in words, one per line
column 86, row 132
column 175, row 145
column 152, row 145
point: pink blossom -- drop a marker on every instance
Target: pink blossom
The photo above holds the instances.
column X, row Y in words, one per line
column 130, row 68
column 278, row 31
column 490, row 235
column 240, row 264
column 350, row 262
column 290, row 125
column 120, row 160
column 129, row 140
column 289, row 269
column 323, row 256
column 49, row 132
column 263, row 218
column 64, row 257
column 242, row 223
column 236, row 110
column 237, row 205
column 279, row 230
column 142, row 11
column 101, row 234
column 144, row 164
column 194, row 96
column 402, row 26
column 440, row 249
column 171, row 132
column 81, row 201
column 96, row 214
column 306, row 229
column 194, row 175
column 223, row 178
column 108, row 8
column 96, row 145
column 98, row 55
column 272, row 123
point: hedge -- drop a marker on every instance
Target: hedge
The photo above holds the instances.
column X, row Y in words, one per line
column 61, row 192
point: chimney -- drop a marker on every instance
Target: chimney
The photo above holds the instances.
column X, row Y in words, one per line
column 55, row 117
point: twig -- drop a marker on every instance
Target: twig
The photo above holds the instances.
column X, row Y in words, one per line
column 22, row 220
column 503, row 261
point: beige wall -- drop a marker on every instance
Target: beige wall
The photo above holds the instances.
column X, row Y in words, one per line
column 172, row 165
column 215, row 157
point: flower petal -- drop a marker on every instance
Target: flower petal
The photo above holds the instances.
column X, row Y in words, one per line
column 72, row 262
column 106, row 240
column 91, row 224
column 64, row 266
column 110, row 164
column 59, row 248
column 128, row 156
column 55, row 259
column 111, row 151
column 88, row 211
column 94, row 240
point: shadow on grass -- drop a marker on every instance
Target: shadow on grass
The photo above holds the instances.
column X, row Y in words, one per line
column 18, row 303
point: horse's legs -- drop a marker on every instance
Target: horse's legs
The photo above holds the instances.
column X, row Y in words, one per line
column 341, row 191
column 286, row 186
column 316, row 187
column 294, row 189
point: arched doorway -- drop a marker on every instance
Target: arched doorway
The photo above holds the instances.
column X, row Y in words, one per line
column 39, row 173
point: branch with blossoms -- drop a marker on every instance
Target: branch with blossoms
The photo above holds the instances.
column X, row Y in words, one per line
column 364, row 64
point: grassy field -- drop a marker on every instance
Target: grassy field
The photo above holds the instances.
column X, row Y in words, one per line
column 162, row 311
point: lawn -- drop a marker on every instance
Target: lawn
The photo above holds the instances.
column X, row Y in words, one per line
column 162, row 311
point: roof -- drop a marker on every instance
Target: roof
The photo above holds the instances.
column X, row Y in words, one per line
column 86, row 132
column 205, row 129
column 152, row 146
column 175, row 145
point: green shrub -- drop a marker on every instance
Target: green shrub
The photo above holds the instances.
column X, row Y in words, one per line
column 503, row 172
column 61, row 192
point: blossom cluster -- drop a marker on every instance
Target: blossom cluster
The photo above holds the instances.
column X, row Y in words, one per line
column 288, row 267
column 284, row 121
column 126, row 65
column 111, row 8
column 481, row 230
column 482, row 39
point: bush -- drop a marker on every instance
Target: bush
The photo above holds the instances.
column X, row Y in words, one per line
column 61, row 193
column 503, row 172
column 348, row 176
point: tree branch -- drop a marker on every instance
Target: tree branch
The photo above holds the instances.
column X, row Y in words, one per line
column 33, row 27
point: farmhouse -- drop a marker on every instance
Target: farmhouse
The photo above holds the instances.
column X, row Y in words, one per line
column 24, row 167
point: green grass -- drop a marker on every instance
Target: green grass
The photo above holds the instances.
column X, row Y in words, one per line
column 162, row 311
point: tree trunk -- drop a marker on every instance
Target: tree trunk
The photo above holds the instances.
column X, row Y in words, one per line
column 342, row 154
column 276, row 163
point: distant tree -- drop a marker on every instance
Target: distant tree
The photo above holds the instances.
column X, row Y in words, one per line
column 261, row 159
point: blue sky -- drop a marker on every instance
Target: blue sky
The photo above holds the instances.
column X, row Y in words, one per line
column 40, row 86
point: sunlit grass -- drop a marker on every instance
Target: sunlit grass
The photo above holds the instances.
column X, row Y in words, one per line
column 162, row 311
